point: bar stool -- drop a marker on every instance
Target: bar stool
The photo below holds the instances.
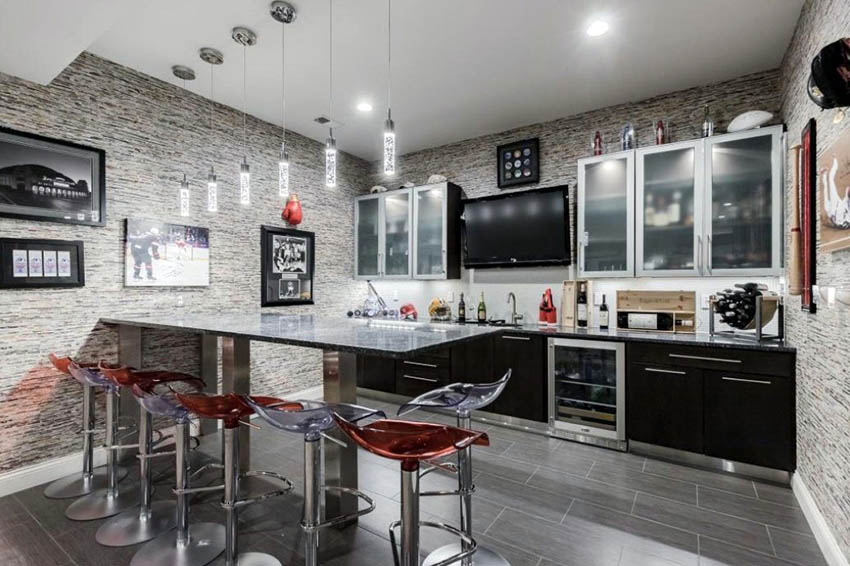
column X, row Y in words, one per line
column 187, row 545
column 312, row 421
column 231, row 409
column 462, row 398
column 108, row 501
column 413, row 443
column 150, row 519
column 76, row 485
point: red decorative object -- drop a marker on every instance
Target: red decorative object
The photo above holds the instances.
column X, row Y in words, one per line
column 660, row 136
column 408, row 312
column 548, row 313
column 597, row 143
column 292, row 213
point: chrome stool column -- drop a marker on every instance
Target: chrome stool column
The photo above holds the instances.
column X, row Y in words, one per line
column 76, row 485
column 187, row 545
column 462, row 398
column 312, row 421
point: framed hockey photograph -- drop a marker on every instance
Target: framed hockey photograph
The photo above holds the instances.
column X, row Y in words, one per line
column 288, row 261
column 159, row 254
column 52, row 180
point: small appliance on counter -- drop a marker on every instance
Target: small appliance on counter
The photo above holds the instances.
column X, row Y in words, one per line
column 657, row 311
column 748, row 309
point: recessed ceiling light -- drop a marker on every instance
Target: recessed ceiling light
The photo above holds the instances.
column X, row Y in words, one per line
column 597, row 28
column 364, row 107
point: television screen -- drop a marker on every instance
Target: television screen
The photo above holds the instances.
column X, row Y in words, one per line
column 522, row 228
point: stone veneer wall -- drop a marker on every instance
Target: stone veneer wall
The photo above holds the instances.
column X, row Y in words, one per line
column 823, row 377
column 153, row 132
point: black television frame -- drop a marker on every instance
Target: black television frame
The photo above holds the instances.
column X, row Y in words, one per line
column 520, row 263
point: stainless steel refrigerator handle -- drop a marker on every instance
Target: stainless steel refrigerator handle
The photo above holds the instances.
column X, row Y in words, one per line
column 705, row 358
column 742, row 380
column 675, row 371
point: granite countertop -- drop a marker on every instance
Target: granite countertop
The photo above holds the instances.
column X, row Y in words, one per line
column 385, row 338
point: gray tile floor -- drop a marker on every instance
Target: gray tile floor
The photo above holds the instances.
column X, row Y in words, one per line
column 539, row 501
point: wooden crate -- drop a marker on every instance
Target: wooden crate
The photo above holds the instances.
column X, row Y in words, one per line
column 681, row 304
column 569, row 296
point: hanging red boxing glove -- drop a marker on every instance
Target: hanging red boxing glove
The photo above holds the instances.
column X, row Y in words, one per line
column 292, row 213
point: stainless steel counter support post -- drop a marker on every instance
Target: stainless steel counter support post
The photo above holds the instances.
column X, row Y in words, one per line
column 209, row 373
column 236, row 378
column 129, row 354
column 339, row 371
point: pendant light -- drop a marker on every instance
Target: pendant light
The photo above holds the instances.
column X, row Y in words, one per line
column 186, row 74
column 330, row 143
column 283, row 12
column 213, row 57
column 389, row 126
column 246, row 38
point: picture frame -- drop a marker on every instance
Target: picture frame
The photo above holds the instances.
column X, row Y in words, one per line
column 288, row 261
column 162, row 254
column 518, row 163
column 833, row 175
column 51, row 180
column 27, row 263
column 808, row 215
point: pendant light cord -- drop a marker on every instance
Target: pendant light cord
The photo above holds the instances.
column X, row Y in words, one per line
column 331, row 66
column 283, row 83
column 389, row 55
column 245, row 99
column 212, row 95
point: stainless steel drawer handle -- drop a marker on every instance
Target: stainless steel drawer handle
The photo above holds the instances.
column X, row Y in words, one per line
column 758, row 381
column 417, row 378
column 656, row 370
column 705, row 358
column 523, row 338
column 422, row 364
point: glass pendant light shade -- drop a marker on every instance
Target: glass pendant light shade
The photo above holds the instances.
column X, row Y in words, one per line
column 244, row 182
column 283, row 172
column 212, row 192
column 389, row 147
column 184, row 196
column 330, row 161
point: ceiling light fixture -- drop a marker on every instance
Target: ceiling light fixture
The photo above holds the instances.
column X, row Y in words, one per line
column 597, row 28
column 213, row 57
column 185, row 74
column 364, row 106
column 389, row 126
column 246, row 38
column 330, row 143
column 283, row 12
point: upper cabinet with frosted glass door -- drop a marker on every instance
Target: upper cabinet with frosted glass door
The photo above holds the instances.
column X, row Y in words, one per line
column 668, row 219
column 382, row 227
column 436, row 231
column 743, row 210
column 606, row 196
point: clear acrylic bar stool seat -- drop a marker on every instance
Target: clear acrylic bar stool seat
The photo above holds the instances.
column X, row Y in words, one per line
column 91, row 478
column 462, row 398
column 312, row 421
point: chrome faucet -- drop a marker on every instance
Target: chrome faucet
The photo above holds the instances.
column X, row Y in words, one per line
column 515, row 318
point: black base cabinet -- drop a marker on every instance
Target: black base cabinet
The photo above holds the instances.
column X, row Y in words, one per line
column 376, row 373
column 525, row 395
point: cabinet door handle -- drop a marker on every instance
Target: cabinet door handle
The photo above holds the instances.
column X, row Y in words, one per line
column 758, row 381
column 708, row 254
column 417, row 378
column 523, row 338
column 699, row 253
column 422, row 364
column 675, row 371
column 705, row 358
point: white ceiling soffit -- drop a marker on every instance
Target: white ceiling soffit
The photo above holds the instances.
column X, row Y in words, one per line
column 460, row 68
column 39, row 38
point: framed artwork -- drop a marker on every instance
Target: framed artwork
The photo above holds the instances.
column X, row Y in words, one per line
column 288, row 263
column 808, row 220
column 834, row 189
column 30, row 263
column 47, row 179
column 159, row 254
column 518, row 163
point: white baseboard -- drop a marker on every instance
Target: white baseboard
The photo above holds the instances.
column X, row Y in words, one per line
column 46, row 471
column 826, row 540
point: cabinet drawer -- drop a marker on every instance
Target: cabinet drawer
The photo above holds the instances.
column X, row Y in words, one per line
column 721, row 359
column 431, row 368
column 411, row 384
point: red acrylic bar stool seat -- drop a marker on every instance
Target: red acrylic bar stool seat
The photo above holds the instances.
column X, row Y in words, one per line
column 124, row 376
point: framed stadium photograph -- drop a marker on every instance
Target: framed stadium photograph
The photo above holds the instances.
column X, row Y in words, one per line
column 288, row 261
column 51, row 180
column 159, row 254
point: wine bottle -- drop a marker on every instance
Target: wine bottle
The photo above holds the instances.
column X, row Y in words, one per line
column 482, row 309
column 603, row 315
column 707, row 123
column 581, row 306
column 461, row 310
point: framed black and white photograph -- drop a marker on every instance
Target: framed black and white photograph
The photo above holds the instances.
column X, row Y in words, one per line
column 159, row 254
column 51, row 180
column 288, row 262
column 35, row 263
column 518, row 163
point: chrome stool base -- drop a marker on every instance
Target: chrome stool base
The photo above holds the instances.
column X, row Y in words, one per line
column 206, row 542
column 257, row 559
column 482, row 556
column 99, row 505
column 129, row 528
column 77, row 485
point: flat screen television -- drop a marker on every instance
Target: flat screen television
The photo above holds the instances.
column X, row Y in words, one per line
column 517, row 229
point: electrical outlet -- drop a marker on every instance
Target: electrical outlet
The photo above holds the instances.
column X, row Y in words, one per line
column 451, row 296
column 830, row 296
column 597, row 298
column 395, row 293
column 704, row 301
column 179, row 300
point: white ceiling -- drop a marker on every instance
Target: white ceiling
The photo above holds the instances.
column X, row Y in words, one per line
column 461, row 68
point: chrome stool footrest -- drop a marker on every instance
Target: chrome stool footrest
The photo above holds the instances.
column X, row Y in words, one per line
column 263, row 496
column 467, row 548
column 341, row 519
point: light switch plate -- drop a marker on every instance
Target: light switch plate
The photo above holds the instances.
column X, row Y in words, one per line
column 597, row 298
column 704, row 300
column 451, row 296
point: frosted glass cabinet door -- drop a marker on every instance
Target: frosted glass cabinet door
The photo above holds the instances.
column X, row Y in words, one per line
column 429, row 223
column 669, row 207
column 606, row 215
column 367, row 229
column 396, row 248
column 744, row 204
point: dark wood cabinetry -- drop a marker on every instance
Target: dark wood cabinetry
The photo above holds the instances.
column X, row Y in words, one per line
column 376, row 373
column 525, row 395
